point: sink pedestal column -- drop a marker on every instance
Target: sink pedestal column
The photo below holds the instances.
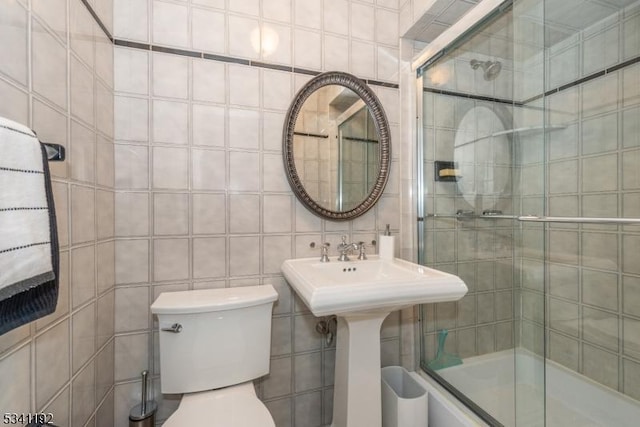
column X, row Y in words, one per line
column 357, row 400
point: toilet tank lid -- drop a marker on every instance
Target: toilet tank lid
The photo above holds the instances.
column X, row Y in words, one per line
column 208, row 300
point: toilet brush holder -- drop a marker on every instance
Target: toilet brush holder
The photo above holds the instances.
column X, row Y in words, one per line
column 144, row 413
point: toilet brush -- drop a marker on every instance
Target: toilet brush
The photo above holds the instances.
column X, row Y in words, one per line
column 143, row 414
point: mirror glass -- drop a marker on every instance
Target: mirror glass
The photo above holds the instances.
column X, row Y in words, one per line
column 336, row 146
column 482, row 153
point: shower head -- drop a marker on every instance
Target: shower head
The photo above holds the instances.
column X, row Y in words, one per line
column 491, row 68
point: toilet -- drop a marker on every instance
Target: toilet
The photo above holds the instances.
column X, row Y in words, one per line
column 213, row 344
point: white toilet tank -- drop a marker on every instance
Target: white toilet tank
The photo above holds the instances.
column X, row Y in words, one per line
column 224, row 337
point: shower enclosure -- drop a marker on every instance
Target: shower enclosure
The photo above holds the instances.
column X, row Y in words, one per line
column 530, row 175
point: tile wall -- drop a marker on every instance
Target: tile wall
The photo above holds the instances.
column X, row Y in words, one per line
column 202, row 198
column 57, row 77
column 592, row 309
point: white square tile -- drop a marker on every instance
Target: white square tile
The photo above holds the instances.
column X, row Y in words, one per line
column 208, row 125
column 83, row 336
column 308, row 14
column 244, row 37
column 83, row 225
column 83, row 268
column 387, row 27
column 105, row 214
column 83, row 149
column 13, row 32
column 104, row 109
column 631, row 85
column 170, row 75
column 305, row 220
column 277, row 213
column 219, row 4
column 131, row 19
column 209, row 81
column 132, row 214
column 170, row 168
column 362, row 22
column 132, row 261
column 276, row 90
column 104, row 58
column 49, row 66
column 208, row 30
column 336, row 17
column 275, row 43
column 240, row 179
column 209, row 213
column 600, row 95
column 53, row 13
column 170, row 214
column 83, row 395
column 170, row 259
column 276, row 249
column 209, row 257
column 131, row 355
column 336, row 53
column 272, row 130
column 52, row 368
column 131, row 119
column 244, row 86
column 170, row 122
column 277, row 10
column 389, row 98
column 133, row 166
column 363, row 62
column 244, row 128
column 244, row 256
column 246, row 7
column 81, row 92
column 208, row 169
column 170, row 24
column 131, row 70
column 388, row 64
column 244, row 213
column 132, row 308
column 273, row 175
column 17, row 106
column 307, row 49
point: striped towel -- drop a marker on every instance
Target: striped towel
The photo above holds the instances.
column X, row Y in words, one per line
column 28, row 237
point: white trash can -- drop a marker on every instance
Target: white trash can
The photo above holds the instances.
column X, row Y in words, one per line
column 404, row 400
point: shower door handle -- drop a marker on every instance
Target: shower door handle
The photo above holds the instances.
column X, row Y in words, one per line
column 578, row 220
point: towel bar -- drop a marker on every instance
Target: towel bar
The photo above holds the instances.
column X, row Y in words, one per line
column 55, row 152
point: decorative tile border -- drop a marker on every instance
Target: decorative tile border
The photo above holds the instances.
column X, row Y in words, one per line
column 214, row 57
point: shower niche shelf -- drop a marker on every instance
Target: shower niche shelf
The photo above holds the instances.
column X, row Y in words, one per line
column 446, row 171
column 524, row 131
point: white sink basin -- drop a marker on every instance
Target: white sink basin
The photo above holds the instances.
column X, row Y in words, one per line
column 362, row 294
column 375, row 284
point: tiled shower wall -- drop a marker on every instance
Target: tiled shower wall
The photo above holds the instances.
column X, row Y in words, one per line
column 202, row 198
column 592, row 275
column 56, row 76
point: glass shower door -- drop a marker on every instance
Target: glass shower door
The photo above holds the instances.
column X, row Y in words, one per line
column 483, row 155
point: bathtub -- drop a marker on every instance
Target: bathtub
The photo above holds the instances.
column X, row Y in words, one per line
column 572, row 400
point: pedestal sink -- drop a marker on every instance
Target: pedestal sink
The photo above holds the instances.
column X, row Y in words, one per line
column 362, row 294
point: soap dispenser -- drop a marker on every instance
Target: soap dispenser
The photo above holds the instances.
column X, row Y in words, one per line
column 387, row 245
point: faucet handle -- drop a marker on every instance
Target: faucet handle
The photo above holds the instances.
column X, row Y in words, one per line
column 362, row 255
column 325, row 252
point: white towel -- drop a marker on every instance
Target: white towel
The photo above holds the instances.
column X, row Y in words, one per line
column 28, row 237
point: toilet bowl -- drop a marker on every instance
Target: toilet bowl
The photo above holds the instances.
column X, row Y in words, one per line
column 213, row 343
column 236, row 406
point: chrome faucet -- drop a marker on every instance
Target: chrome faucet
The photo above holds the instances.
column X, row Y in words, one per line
column 325, row 252
column 344, row 248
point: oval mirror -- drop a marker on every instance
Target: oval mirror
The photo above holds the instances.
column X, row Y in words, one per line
column 336, row 146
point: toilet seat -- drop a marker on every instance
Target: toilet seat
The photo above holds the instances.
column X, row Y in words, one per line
column 236, row 406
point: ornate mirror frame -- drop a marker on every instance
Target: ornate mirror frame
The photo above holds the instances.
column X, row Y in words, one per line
column 382, row 127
